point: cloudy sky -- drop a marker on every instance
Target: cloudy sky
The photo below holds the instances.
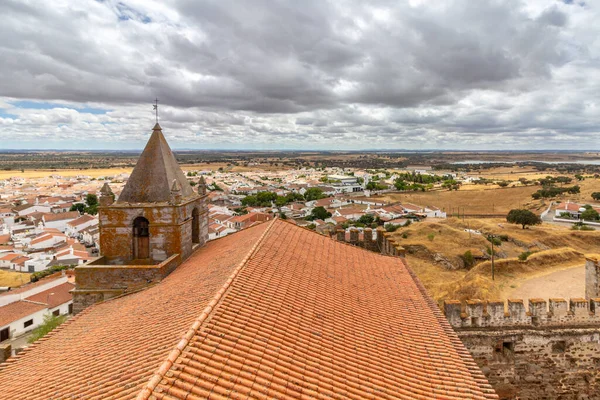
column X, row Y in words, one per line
column 310, row 74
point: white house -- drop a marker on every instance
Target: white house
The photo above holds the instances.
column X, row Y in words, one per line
column 38, row 263
column 27, row 309
column 46, row 240
column 27, row 209
column 573, row 209
column 59, row 221
column 75, row 227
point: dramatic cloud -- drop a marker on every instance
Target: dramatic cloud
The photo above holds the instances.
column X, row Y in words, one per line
column 503, row 74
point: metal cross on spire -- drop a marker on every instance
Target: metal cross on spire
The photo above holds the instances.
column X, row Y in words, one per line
column 155, row 105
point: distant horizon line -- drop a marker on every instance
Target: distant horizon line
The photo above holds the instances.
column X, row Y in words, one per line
column 317, row 150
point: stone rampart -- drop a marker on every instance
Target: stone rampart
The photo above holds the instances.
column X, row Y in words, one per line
column 379, row 241
column 534, row 349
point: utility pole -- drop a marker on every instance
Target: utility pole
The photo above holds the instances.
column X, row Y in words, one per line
column 491, row 239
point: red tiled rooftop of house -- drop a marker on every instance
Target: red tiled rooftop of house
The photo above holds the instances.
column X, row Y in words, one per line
column 50, row 217
column 17, row 310
column 273, row 312
column 55, row 296
column 81, row 220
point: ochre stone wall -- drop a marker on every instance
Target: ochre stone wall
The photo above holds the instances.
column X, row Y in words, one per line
column 535, row 364
column 549, row 351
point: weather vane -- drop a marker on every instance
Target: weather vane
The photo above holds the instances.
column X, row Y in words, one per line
column 155, row 105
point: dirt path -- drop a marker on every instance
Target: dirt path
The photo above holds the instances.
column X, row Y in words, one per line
column 566, row 283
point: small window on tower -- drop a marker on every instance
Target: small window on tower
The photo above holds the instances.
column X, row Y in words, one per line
column 559, row 347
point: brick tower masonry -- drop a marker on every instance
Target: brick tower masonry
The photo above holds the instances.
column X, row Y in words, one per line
column 155, row 224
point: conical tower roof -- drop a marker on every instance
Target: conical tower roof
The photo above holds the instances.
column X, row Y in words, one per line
column 152, row 178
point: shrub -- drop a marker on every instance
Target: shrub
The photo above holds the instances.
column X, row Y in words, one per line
column 431, row 236
column 36, row 276
column 523, row 256
column 391, row 227
column 468, row 259
column 504, row 238
column 50, row 322
column 495, row 240
column 405, row 235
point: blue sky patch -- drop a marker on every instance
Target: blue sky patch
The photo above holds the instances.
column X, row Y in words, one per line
column 43, row 105
column 4, row 114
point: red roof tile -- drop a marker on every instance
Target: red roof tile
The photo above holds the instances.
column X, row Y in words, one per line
column 17, row 310
column 307, row 324
column 261, row 317
column 55, row 296
column 110, row 350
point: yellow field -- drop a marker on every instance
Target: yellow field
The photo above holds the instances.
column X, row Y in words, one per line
column 99, row 172
column 472, row 199
column 13, row 279
column 44, row 173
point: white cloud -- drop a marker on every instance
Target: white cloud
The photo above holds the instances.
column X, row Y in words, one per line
column 311, row 74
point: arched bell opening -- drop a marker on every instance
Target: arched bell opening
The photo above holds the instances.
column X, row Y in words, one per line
column 195, row 226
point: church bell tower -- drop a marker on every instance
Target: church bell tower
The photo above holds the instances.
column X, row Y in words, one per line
column 153, row 226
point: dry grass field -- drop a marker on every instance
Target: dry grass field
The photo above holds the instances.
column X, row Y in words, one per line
column 44, row 173
column 472, row 199
column 99, row 172
column 435, row 249
column 13, row 279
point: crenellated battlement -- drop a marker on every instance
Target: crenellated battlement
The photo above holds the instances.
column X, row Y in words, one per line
column 382, row 241
column 539, row 312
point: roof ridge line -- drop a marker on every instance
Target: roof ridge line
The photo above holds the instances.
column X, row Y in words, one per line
column 166, row 365
column 455, row 342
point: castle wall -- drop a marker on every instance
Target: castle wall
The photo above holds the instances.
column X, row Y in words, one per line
column 549, row 350
column 382, row 242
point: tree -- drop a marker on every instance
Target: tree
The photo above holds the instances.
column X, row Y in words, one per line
column 523, row 218
column 91, row 200
column 318, row 213
column 503, row 184
column 366, row 219
column 596, row 196
column 590, row 215
column 78, row 207
column 281, row 201
column 313, row 193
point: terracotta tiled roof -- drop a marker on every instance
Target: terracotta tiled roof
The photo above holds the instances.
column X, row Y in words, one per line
column 110, row 350
column 261, row 317
column 17, row 310
column 308, row 324
column 82, row 220
column 55, row 296
column 32, row 285
column 61, row 216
